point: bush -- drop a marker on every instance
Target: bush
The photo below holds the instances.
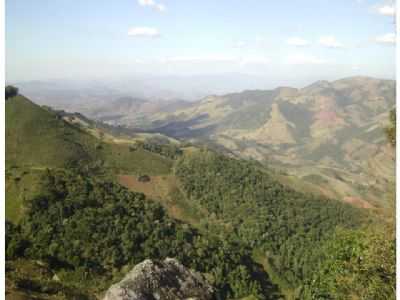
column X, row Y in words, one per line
column 11, row 91
column 144, row 178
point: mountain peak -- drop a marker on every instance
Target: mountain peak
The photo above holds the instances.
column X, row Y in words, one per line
column 320, row 84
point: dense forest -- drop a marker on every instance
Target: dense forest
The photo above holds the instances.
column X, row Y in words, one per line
column 88, row 230
column 287, row 226
column 257, row 238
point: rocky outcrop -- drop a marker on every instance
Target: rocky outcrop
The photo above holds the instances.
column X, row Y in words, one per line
column 160, row 280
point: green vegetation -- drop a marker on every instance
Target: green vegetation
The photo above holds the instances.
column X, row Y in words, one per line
column 356, row 264
column 10, row 91
column 167, row 150
column 40, row 138
column 315, row 178
column 21, row 184
column 391, row 129
column 243, row 229
column 286, row 225
column 299, row 115
column 88, row 231
column 37, row 137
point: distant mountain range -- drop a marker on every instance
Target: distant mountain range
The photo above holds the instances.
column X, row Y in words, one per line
column 243, row 226
column 167, row 87
column 329, row 133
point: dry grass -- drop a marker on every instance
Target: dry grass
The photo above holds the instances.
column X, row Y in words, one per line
column 165, row 190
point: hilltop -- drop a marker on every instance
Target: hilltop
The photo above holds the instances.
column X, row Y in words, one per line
column 37, row 138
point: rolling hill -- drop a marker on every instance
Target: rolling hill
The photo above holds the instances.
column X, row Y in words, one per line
column 330, row 132
column 81, row 212
column 37, row 138
column 327, row 132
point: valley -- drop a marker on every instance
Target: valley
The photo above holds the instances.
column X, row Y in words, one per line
column 327, row 132
column 253, row 228
column 200, row 150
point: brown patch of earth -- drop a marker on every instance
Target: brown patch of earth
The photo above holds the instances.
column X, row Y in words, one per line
column 160, row 189
column 156, row 188
column 358, row 202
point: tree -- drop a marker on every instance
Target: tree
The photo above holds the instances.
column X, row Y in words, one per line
column 11, row 91
column 391, row 129
column 357, row 264
column 144, row 178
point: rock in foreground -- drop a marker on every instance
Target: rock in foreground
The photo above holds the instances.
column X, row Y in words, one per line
column 160, row 280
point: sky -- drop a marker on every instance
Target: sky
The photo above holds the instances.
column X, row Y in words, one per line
column 288, row 40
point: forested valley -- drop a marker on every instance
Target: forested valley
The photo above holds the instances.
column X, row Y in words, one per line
column 255, row 237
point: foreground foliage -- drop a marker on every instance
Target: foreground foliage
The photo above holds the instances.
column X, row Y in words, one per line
column 356, row 265
column 93, row 231
column 391, row 129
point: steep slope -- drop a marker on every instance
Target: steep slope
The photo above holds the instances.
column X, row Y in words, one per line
column 282, row 226
column 37, row 138
column 332, row 130
column 245, row 231
column 40, row 138
column 277, row 130
column 90, row 232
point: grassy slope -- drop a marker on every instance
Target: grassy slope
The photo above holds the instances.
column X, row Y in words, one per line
column 21, row 184
column 37, row 139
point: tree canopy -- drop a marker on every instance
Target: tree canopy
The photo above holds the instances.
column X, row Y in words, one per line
column 391, row 129
column 94, row 229
column 11, row 91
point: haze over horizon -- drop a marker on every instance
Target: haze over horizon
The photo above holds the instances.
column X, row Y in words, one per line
column 215, row 149
column 272, row 44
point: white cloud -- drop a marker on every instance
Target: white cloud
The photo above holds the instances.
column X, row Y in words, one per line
column 330, row 42
column 387, row 10
column 303, row 59
column 151, row 3
column 144, row 32
column 298, row 42
column 389, row 38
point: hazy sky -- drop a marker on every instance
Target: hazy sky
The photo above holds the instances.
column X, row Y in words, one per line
column 280, row 39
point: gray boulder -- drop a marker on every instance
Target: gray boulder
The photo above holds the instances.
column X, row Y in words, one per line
column 161, row 280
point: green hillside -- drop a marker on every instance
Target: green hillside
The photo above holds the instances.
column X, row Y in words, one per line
column 40, row 138
column 285, row 225
column 232, row 220
column 37, row 139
